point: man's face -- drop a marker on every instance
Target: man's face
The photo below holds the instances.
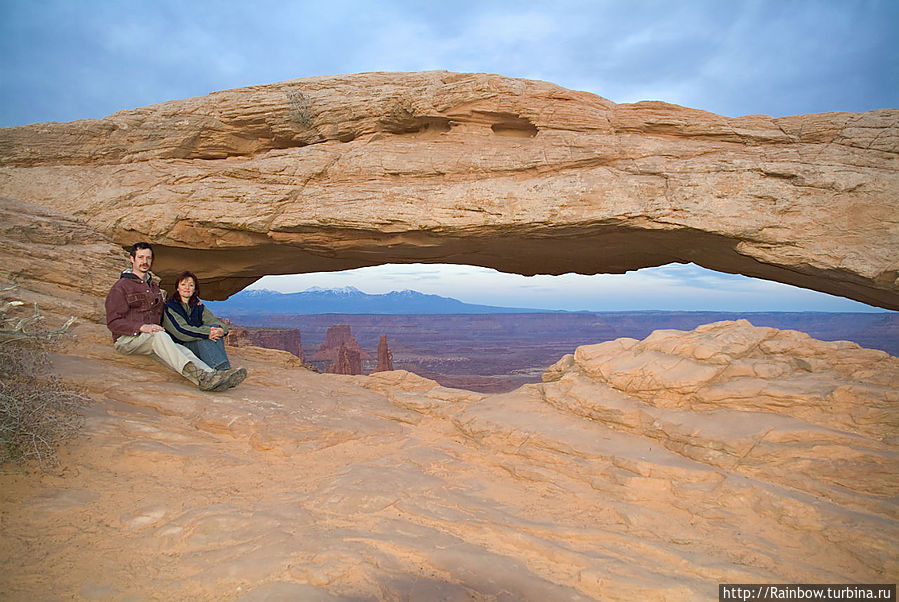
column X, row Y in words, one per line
column 141, row 261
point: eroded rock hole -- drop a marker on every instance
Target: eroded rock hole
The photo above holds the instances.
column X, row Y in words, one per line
column 414, row 125
column 519, row 127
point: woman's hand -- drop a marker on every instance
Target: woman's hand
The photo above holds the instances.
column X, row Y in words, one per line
column 215, row 333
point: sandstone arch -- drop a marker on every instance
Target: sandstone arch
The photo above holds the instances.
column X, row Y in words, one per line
column 339, row 172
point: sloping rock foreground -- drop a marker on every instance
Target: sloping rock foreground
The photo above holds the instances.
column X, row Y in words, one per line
column 647, row 470
column 339, row 172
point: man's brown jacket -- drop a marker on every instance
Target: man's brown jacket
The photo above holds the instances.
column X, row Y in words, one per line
column 131, row 303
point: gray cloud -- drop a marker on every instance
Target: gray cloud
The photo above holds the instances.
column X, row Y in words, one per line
column 65, row 60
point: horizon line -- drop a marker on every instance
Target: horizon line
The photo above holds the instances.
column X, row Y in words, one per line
column 520, row 310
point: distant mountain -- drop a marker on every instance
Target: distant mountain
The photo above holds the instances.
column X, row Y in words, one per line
column 349, row 300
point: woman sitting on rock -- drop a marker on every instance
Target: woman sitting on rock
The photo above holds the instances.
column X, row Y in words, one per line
column 189, row 323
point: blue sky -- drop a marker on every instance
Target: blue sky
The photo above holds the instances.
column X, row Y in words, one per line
column 66, row 60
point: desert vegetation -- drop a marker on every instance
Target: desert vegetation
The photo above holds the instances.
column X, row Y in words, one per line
column 299, row 108
column 37, row 411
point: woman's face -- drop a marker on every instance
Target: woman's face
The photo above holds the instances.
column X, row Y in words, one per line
column 186, row 288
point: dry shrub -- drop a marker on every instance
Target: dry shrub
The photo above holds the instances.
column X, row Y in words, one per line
column 36, row 410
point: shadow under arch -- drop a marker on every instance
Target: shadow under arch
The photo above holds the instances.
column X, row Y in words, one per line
column 587, row 250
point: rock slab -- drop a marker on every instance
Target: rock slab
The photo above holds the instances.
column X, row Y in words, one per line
column 649, row 470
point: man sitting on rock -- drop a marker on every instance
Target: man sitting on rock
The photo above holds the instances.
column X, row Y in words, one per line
column 133, row 314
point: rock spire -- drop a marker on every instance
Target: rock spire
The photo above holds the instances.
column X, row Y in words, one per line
column 385, row 357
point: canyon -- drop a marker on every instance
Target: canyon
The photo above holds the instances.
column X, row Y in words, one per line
column 340, row 353
column 286, row 339
column 496, row 353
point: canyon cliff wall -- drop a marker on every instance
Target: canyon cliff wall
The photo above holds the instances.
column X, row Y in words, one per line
column 286, row 339
column 340, row 353
column 328, row 173
column 337, row 335
column 348, row 362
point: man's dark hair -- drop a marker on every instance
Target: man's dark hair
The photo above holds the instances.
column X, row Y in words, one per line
column 141, row 245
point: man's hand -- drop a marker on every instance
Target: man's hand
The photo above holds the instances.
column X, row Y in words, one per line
column 215, row 333
column 150, row 328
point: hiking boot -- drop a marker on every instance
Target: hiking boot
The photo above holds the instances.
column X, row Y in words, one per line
column 211, row 381
column 230, row 378
column 191, row 372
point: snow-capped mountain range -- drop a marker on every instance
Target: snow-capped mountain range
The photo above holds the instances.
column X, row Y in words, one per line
column 349, row 300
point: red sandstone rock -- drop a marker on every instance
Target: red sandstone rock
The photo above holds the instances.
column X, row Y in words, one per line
column 385, row 357
column 348, row 361
column 649, row 469
column 696, row 458
column 338, row 335
column 286, row 339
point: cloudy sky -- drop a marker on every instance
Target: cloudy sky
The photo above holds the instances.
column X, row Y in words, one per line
column 66, row 60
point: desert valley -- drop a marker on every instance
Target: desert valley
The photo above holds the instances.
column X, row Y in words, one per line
column 497, row 353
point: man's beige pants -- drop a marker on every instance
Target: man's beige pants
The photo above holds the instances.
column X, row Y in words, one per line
column 160, row 346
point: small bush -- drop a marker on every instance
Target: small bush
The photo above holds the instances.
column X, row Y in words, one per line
column 299, row 108
column 37, row 411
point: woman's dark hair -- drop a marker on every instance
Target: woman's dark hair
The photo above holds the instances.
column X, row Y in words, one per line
column 195, row 298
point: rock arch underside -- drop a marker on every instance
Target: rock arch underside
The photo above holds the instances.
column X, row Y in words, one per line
column 330, row 173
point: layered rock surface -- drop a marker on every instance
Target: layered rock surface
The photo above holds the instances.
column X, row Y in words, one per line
column 650, row 470
column 347, row 362
column 339, row 172
column 57, row 260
